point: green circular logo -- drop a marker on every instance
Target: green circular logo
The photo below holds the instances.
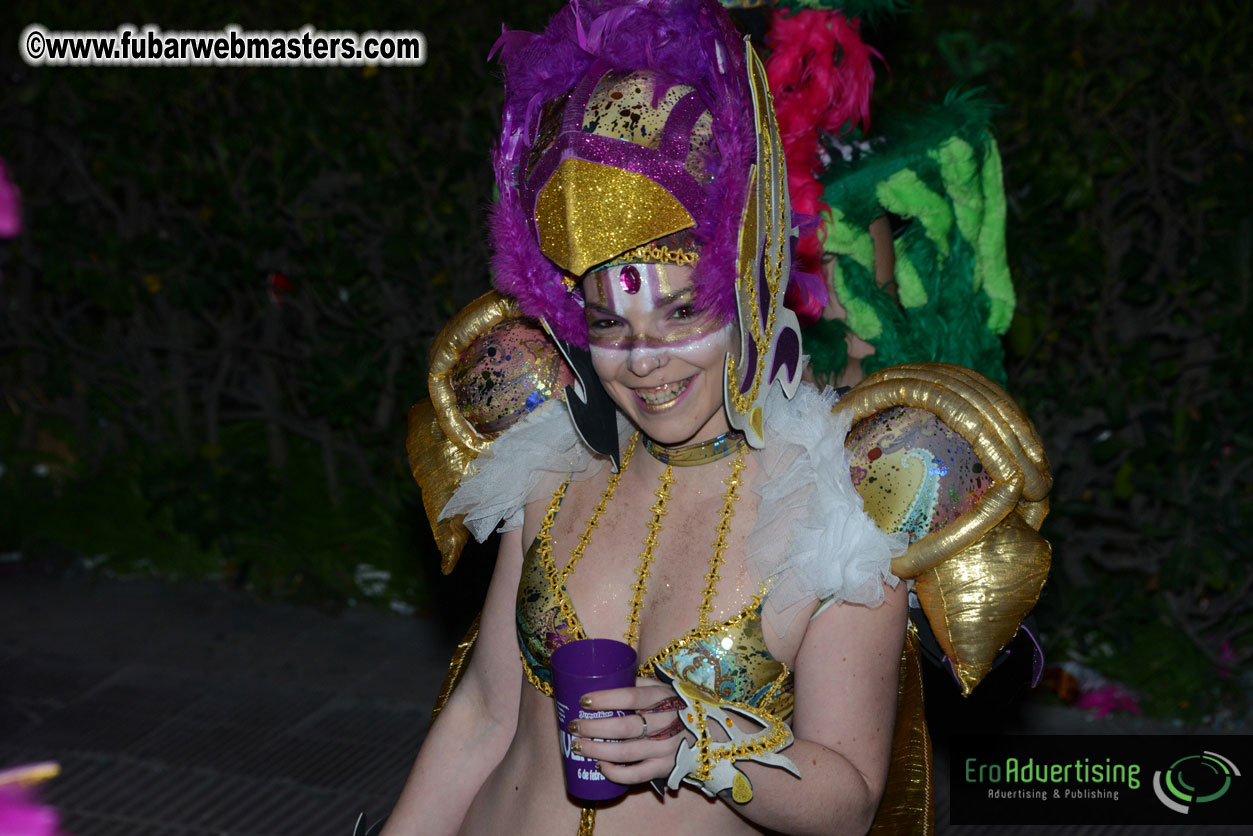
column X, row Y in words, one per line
column 1194, row 779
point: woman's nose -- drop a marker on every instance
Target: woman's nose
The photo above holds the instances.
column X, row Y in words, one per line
column 645, row 359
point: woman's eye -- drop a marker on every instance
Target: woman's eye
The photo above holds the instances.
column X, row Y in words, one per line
column 603, row 324
column 684, row 312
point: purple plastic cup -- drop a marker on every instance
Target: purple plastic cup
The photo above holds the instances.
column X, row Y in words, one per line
column 579, row 668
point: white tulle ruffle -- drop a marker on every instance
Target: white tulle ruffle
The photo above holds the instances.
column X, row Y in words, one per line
column 527, row 462
column 810, row 541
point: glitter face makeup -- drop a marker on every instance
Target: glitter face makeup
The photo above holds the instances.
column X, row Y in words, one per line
column 660, row 359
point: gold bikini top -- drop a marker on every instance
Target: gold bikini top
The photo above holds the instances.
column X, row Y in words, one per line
column 729, row 658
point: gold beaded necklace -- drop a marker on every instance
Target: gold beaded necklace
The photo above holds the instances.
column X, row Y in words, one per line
column 557, row 579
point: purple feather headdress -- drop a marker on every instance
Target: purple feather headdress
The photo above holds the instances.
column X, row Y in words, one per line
column 683, row 42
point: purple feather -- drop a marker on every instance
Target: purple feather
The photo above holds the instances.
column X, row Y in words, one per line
column 684, row 42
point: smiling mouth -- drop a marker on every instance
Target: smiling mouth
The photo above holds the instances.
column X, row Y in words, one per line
column 660, row 398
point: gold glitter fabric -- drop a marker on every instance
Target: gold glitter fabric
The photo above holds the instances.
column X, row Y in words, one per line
column 588, row 212
column 984, row 591
column 489, row 367
column 908, row 804
column 456, row 666
column 945, row 455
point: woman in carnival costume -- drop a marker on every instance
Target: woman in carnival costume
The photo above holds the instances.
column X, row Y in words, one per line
column 691, row 495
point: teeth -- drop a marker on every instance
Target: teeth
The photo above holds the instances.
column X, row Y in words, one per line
column 662, row 394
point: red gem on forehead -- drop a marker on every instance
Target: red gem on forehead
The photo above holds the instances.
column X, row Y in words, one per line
column 629, row 278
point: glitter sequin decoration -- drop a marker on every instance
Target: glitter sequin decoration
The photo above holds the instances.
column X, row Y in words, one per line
column 507, row 371
column 629, row 278
column 622, row 107
column 588, row 212
column 909, row 465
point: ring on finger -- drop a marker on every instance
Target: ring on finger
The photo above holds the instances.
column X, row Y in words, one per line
column 644, row 731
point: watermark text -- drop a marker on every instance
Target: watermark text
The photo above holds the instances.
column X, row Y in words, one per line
column 150, row 46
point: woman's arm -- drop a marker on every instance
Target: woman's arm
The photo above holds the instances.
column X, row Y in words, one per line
column 476, row 726
column 846, row 681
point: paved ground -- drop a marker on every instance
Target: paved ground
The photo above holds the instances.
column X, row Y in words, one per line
column 195, row 710
column 188, row 710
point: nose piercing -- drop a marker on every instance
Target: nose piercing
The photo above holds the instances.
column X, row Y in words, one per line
column 646, row 362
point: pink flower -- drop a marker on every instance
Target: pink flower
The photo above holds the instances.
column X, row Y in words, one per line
column 10, row 206
column 1107, row 698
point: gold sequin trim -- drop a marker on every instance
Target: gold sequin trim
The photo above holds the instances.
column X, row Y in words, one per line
column 545, row 552
column 708, row 753
column 654, row 254
column 646, row 557
column 587, row 822
column 540, row 685
column 774, row 271
column 723, row 529
column 607, row 494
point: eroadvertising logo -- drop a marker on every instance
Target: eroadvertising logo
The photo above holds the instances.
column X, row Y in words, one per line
column 1194, row 779
column 1075, row 779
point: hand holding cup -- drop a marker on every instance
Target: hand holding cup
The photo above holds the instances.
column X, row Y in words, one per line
column 636, row 739
column 581, row 668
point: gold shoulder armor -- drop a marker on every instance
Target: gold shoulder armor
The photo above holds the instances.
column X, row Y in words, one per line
column 489, row 367
column 946, row 456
